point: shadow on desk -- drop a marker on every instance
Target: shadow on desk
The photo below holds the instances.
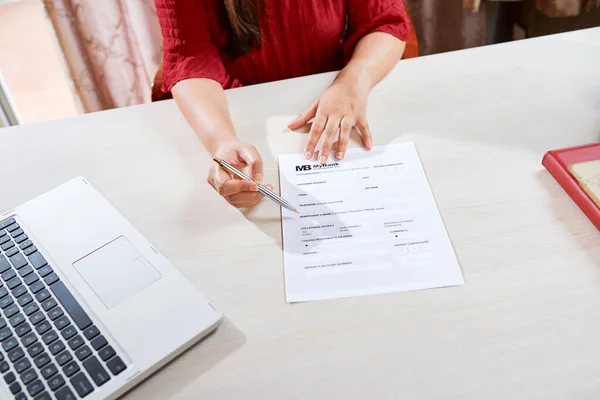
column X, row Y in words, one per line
column 192, row 364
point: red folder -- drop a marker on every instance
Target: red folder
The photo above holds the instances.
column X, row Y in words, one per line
column 557, row 161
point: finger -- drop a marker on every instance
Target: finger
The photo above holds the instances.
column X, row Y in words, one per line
column 331, row 131
column 235, row 186
column 345, row 129
column 245, row 199
column 306, row 116
column 254, row 161
column 218, row 177
column 363, row 126
column 315, row 133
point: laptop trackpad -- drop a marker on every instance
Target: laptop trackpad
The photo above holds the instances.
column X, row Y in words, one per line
column 116, row 272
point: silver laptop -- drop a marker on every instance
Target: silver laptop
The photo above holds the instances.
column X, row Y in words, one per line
column 88, row 308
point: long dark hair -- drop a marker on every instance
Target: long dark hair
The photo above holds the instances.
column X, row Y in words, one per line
column 243, row 22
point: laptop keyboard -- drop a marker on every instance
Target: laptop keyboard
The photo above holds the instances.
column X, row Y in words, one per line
column 49, row 346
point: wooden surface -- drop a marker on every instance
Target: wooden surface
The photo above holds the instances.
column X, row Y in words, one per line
column 525, row 326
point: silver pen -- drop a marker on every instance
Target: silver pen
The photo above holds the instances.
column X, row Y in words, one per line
column 261, row 188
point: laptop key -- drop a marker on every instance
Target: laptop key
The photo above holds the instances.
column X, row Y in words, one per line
column 21, row 396
column 11, row 310
column 16, row 355
column 21, row 238
column 23, row 329
column 49, row 304
column 4, row 239
column 8, row 222
column 43, row 327
column 37, row 260
column 50, row 337
column 63, row 358
column 18, row 261
column 65, row 394
column 45, row 271
column 10, row 378
column 43, row 295
column 99, row 342
column 116, row 365
column 56, row 347
column 36, row 287
column 82, row 385
column 49, row 371
column 30, row 250
column 13, row 283
column 55, row 313
column 29, row 339
column 29, row 376
column 91, row 332
column 16, row 232
column 8, row 275
column 5, row 333
column 2, row 323
column 30, row 309
column 68, row 332
column 22, row 365
column 62, row 322
column 43, row 396
column 76, row 342
column 7, row 245
column 31, row 279
column 12, row 252
column 25, row 271
column 37, row 317
column 71, row 369
column 56, row 382
column 10, row 344
column 4, row 366
column 4, row 265
column 35, row 350
column 41, row 360
column 51, row 279
column 3, row 292
column 17, row 319
column 35, row 388
column 15, row 388
column 19, row 291
column 96, row 371
column 83, row 352
column 26, row 299
column 26, row 244
column 71, row 305
column 5, row 302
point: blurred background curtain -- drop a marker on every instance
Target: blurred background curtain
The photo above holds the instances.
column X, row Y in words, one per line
column 111, row 49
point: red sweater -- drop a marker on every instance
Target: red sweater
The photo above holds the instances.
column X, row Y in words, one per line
column 298, row 38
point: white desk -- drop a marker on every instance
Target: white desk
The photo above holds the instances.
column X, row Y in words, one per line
column 527, row 322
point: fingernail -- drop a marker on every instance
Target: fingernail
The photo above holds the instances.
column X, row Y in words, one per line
column 258, row 177
column 255, row 188
column 339, row 155
column 369, row 143
column 323, row 159
column 308, row 155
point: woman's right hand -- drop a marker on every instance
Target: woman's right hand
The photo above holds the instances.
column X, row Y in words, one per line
column 239, row 193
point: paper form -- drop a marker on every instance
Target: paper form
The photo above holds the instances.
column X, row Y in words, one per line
column 367, row 224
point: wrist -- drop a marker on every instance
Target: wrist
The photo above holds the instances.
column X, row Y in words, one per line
column 355, row 72
column 215, row 142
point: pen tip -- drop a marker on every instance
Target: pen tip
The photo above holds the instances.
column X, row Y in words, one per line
column 296, row 211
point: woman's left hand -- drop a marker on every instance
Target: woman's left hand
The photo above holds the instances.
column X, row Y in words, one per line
column 339, row 109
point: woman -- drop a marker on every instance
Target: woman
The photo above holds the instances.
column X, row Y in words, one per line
column 211, row 45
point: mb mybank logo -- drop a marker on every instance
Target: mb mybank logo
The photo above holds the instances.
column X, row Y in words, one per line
column 300, row 168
